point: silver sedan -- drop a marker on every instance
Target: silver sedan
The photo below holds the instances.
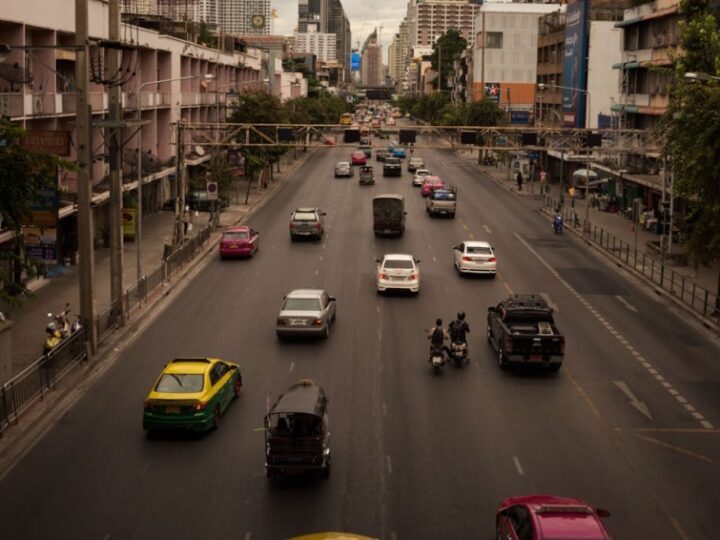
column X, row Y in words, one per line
column 343, row 168
column 306, row 312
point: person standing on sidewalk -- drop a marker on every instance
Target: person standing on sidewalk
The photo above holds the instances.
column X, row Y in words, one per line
column 543, row 183
column 519, row 179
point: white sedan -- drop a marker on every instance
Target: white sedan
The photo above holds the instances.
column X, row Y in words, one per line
column 396, row 271
column 419, row 177
column 475, row 257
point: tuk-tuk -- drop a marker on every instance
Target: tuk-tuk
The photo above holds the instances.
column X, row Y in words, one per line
column 297, row 433
column 366, row 176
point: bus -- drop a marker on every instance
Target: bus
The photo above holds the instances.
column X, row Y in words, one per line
column 346, row 119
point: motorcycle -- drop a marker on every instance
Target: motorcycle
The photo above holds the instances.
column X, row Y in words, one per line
column 558, row 224
column 458, row 352
column 437, row 359
column 59, row 328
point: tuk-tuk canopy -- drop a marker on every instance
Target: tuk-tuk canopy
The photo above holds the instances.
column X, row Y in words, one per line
column 303, row 397
column 366, row 169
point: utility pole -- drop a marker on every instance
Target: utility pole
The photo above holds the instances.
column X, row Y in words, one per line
column 179, row 184
column 85, row 222
column 115, row 157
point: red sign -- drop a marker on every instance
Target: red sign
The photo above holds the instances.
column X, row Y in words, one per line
column 52, row 142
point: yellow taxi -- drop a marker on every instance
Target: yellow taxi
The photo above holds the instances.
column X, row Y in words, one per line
column 191, row 393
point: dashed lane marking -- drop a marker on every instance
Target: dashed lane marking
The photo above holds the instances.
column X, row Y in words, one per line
column 518, row 467
column 292, row 366
column 508, row 288
column 487, row 229
column 388, row 461
column 626, row 303
column 673, row 392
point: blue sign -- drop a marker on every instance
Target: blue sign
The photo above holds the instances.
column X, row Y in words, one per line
column 519, row 117
column 575, row 64
column 355, row 60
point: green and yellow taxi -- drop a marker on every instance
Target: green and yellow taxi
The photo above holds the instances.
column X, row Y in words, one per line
column 191, row 393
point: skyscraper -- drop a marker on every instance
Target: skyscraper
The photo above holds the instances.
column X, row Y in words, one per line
column 235, row 17
column 371, row 68
column 327, row 16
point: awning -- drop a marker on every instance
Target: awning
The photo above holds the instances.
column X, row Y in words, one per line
column 626, row 65
column 647, row 17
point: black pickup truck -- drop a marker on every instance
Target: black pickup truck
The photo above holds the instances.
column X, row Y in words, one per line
column 522, row 331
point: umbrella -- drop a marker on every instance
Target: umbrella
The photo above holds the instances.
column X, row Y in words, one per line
column 584, row 173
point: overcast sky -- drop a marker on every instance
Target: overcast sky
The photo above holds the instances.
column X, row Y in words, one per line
column 364, row 15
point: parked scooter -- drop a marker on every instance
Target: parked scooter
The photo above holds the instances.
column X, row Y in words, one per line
column 458, row 352
column 59, row 328
column 558, row 224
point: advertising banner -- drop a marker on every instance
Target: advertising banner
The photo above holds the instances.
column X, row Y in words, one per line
column 128, row 215
column 355, row 61
column 575, row 64
column 44, row 207
column 41, row 243
column 492, row 91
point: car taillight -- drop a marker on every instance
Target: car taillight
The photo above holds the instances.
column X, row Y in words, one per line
column 292, row 225
column 200, row 405
column 491, row 259
column 317, row 322
column 414, row 275
column 467, row 259
column 318, row 226
column 508, row 344
column 281, row 322
column 562, row 346
column 382, row 275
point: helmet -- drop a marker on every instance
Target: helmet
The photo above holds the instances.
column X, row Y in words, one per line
column 461, row 315
column 438, row 322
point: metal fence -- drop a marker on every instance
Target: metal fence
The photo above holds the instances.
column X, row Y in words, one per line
column 648, row 264
column 37, row 379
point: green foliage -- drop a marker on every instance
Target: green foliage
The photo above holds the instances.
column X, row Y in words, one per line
column 446, row 49
column 23, row 174
column 436, row 109
column 484, row 113
column 691, row 130
column 324, row 109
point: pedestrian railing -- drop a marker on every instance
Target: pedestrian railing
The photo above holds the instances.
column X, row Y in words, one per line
column 645, row 263
column 31, row 384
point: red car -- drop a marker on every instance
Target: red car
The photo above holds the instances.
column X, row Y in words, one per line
column 239, row 242
column 538, row 517
column 431, row 183
column 358, row 158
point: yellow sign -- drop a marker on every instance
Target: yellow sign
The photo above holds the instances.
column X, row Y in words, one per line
column 128, row 215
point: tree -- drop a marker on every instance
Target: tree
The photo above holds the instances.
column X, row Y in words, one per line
column 484, row 113
column 446, row 49
column 23, row 175
column 691, row 132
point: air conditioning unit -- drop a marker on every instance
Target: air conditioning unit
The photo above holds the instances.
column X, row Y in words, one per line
column 38, row 105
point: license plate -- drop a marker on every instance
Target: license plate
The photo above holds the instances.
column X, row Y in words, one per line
column 172, row 410
column 536, row 357
column 387, row 231
column 297, row 322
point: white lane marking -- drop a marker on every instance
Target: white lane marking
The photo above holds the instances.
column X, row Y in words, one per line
column 384, row 409
column 626, row 303
column 545, row 296
column 703, row 422
column 292, row 366
column 634, row 401
column 434, row 258
column 487, row 229
column 248, row 536
column 320, row 258
column 518, row 467
column 145, row 469
column 317, row 272
column 389, row 464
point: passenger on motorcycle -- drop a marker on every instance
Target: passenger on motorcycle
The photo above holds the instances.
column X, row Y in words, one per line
column 459, row 329
column 437, row 336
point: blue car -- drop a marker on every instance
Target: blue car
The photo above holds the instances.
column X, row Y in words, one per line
column 399, row 153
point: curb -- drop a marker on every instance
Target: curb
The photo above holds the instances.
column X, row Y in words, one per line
column 42, row 416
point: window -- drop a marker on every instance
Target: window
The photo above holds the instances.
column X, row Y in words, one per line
column 305, row 216
column 180, row 383
column 494, row 40
column 399, row 263
column 302, row 304
column 235, row 236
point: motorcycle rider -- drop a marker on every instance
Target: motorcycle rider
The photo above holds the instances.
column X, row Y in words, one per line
column 437, row 337
column 558, row 222
column 459, row 329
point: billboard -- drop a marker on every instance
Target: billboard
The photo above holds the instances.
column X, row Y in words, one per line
column 492, row 92
column 355, row 61
column 575, row 64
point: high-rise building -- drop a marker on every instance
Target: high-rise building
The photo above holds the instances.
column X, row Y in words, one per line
column 139, row 7
column 327, row 16
column 371, row 70
column 234, row 17
column 429, row 19
column 321, row 44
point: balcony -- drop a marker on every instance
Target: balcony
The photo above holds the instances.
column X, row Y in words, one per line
column 195, row 99
column 39, row 104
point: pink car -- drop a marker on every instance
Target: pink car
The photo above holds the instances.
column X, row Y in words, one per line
column 358, row 158
column 431, row 183
column 239, row 242
column 539, row 517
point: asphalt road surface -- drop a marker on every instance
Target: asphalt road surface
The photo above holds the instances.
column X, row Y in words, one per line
column 628, row 424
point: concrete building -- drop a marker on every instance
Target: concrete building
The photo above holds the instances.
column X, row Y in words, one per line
column 48, row 104
column 550, row 55
column 236, row 17
column 321, row 44
column 328, row 16
column 371, row 69
column 428, row 19
column 505, row 56
column 140, row 7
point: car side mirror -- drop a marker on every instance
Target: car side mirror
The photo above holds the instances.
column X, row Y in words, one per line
column 417, row 261
column 377, row 260
column 404, row 213
column 323, row 213
column 491, row 309
column 331, row 298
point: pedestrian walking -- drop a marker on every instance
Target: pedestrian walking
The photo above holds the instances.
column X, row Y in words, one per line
column 543, row 182
column 186, row 220
column 519, row 179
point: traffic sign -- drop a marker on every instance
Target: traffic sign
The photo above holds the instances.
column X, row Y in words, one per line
column 212, row 191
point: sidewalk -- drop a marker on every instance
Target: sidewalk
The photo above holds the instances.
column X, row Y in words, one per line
column 614, row 223
column 50, row 294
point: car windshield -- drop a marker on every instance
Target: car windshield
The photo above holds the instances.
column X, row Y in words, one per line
column 422, row 172
column 180, row 383
column 399, row 263
column 302, row 304
column 343, row 164
column 416, row 161
column 304, row 216
column 392, row 161
column 478, row 250
column 235, row 236
column 441, row 195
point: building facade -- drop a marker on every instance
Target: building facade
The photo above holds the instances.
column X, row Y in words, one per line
column 429, row 19
column 328, row 16
column 371, row 68
column 321, row 44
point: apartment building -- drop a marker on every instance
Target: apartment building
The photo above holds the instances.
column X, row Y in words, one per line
column 429, row 19
column 321, row 44
column 371, row 67
column 43, row 99
column 328, row 16
column 550, row 56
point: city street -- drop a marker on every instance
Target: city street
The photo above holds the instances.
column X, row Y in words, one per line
column 630, row 423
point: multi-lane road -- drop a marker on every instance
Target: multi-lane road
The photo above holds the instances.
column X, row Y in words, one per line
column 630, row 423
